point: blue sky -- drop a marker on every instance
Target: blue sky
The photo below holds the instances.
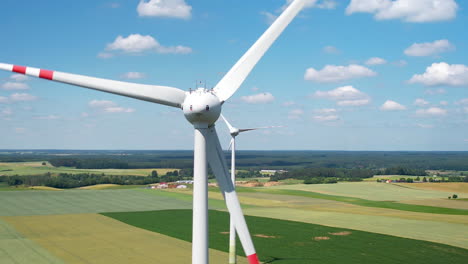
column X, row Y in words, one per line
column 345, row 75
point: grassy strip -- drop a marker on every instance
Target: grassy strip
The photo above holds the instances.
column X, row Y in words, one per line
column 280, row 241
column 362, row 202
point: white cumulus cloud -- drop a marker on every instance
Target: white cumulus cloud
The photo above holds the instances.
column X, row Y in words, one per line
column 443, row 74
column 390, row 105
column 322, row 4
column 260, row 98
column 101, row 103
column 425, row 125
column 105, row 55
column 19, row 77
column 333, row 73
column 289, row 103
column 269, row 17
column 165, row 8
column 420, row 102
column 15, row 86
column 325, row 111
column 136, row 43
column 432, row 111
column 48, row 117
column 133, row 75
column 400, row 63
column 331, row 50
column 345, row 96
column 5, row 113
column 418, row 11
column 324, row 118
column 3, row 100
column 463, row 101
column 22, row 97
column 118, row 109
column 375, row 61
column 325, row 114
column 429, row 48
column 435, row 91
column 109, row 107
column 341, row 93
column 295, row 114
column 326, row 4
column 356, row 102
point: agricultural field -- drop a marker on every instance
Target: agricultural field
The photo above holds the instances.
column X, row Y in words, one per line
column 35, row 202
column 453, row 187
column 307, row 243
column 363, row 222
column 36, row 168
column 94, row 238
column 371, row 190
column 15, row 248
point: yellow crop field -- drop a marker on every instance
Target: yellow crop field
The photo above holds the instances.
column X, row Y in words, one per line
column 44, row 188
column 452, row 203
column 370, row 190
column 16, row 249
column 455, row 187
column 93, row 238
column 99, row 187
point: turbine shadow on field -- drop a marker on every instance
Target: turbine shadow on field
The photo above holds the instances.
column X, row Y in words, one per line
column 274, row 259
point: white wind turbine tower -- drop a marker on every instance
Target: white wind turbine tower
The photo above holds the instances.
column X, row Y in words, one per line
column 234, row 132
column 201, row 108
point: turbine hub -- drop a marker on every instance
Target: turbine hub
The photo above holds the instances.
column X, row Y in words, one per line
column 201, row 106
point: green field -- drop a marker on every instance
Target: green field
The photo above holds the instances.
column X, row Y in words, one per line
column 306, row 243
column 36, row 168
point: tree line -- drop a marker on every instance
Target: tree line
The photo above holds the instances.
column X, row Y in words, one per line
column 287, row 160
column 402, row 171
column 101, row 163
column 66, row 181
column 324, row 175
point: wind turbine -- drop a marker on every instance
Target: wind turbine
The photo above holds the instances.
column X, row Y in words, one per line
column 234, row 132
column 201, row 108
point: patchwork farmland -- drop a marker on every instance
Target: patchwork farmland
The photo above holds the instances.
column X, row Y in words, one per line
column 319, row 223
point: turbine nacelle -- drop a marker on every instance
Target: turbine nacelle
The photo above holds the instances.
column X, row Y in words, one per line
column 201, row 107
column 234, row 132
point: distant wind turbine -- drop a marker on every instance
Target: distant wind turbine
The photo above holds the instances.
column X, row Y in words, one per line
column 201, row 108
column 234, row 132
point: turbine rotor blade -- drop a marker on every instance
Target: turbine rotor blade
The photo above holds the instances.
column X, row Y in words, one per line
column 230, row 143
column 230, row 127
column 217, row 163
column 239, row 72
column 256, row 128
column 152, row 93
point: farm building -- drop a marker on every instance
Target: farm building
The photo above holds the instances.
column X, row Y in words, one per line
column 273, row 171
